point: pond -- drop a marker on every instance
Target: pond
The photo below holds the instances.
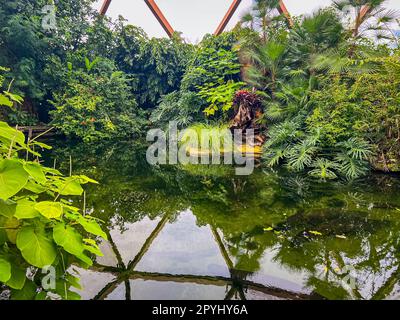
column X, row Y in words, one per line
column 200, row 232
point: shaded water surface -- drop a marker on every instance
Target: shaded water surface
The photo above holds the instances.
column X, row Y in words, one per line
column 199, row 232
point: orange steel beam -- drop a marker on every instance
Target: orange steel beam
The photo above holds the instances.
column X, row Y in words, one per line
column 283, row 10
column 153, row 7
column 364, row 11
column 160, row 17
column 228, row 16
column 104, row 7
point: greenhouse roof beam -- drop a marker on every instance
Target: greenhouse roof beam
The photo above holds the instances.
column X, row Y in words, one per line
column 170, row 31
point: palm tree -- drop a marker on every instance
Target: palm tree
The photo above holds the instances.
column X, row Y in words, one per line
column 266, row 65
column 315, row 35
column 366, row 15
column 261, row 16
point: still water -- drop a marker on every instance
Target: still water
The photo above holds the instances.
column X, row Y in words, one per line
column 199, row 232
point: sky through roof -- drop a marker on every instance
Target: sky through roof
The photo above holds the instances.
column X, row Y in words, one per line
column 196, row 18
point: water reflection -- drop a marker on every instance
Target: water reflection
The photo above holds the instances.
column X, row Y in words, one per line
column 199, row 232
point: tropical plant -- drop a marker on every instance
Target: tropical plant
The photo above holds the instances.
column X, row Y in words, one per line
column 208, row 137
column 308, row 151
column 262, row 17
column 211, row 67
column 266, row 65
column 95, row 102
column 157, row 65
column 367, row 15
column 39, row 228
column 182, row 107
column 313, row 35
column 25, row 46
column 219, row 97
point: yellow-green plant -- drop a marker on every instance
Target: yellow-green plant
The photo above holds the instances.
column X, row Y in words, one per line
column 39, row 228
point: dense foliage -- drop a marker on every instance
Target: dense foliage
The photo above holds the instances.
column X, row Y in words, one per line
column 325, row 88
column 39, row 228
column 329, row 81
column 95, row 102
column 331, row 95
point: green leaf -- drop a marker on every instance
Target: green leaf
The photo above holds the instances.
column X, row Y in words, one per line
column 26, row 209
column 42, row 145
column 13, row 178
column 34, row 187
column 36, row 247
column 7, row 208
column 71, row 241
column 14, row 97
column 52, row 171
column 28, row 292
column 3, row 236
column 5, row 270
column 18, row 277
column 83, row 180
column 62, row 289
column 42, row 295
column 93, row 249
column 4, row 101
column 35, row 171
column 73, row 281
column 11, row 134
column 49, row 209
column 12, row 225
column 92, row 227
column 69, row 187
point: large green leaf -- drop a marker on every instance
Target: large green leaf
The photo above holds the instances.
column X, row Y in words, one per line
column 11, row 134
column 63, row 289
column 84, row 179
column 70, row 239
column 3, row 236
column 12, row 225
column 35, row 187
column 5, row 270
column 35, row 171
column 49, row 209
column 26, row 209
column 7, row 208
column 69, row 187
column 13, row 178
column 28, row 292
column 18, row 277
column 92, row 227
column 4, row 101
column 36, row 247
